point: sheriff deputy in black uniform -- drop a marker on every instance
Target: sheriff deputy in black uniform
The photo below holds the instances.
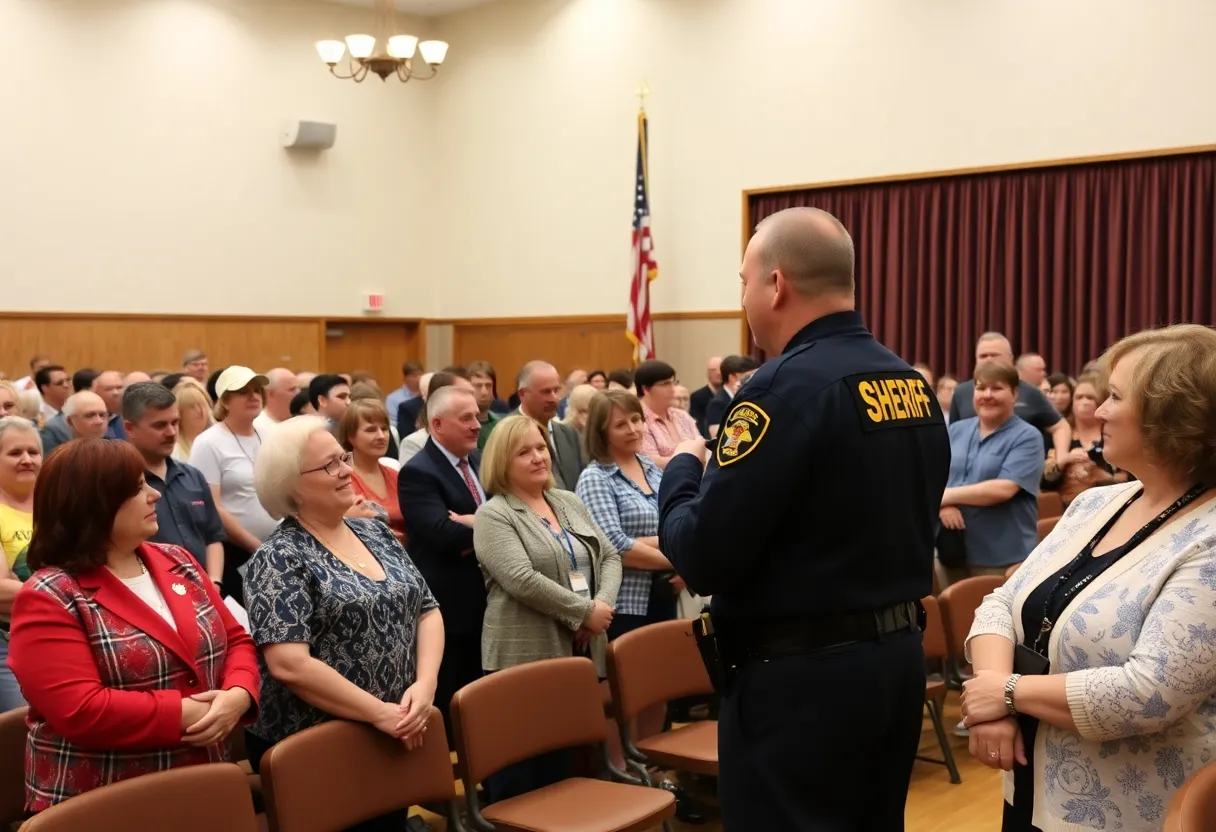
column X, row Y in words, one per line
column 812, row 523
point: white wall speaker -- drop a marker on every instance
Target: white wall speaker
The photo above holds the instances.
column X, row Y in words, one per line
column 309, row 135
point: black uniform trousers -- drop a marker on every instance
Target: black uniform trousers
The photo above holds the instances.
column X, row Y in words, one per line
column 825, row 741
column 461, row 665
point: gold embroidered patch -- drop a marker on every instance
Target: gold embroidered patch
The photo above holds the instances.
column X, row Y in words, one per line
column 744, row 428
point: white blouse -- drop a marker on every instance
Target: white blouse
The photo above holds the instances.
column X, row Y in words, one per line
column 148, row 592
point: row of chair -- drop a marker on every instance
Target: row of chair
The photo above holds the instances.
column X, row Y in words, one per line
column 341, row 773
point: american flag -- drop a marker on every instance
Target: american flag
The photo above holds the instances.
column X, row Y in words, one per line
column 638, row 327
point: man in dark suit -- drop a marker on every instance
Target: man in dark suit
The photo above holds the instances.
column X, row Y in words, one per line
column 408, row 410
column 439, row 493
column 540, row 388
column 735, row 370
column 698, row 402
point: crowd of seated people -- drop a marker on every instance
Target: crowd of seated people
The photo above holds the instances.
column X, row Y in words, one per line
column 188, row 554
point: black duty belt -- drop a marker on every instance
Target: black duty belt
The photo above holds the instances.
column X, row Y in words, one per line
column 749, row 643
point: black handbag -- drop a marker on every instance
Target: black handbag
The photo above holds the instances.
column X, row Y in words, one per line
column 951, row 552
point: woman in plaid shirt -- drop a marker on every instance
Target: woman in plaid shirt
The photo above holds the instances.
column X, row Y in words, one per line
column 620, row 488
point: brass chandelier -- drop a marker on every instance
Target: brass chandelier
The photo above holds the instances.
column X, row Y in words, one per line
column 385, row 53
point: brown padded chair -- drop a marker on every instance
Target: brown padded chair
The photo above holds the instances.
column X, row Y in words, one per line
column 1046, row 525
column 1193, row 806
column 934, row 638
column 1050, row 505
column 655, row 665
column 13, row 731
column 959, row 602
column 338, row 774
column 515, row 714
column 204, row 798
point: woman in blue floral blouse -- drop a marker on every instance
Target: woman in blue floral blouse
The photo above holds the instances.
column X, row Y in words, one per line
column 346, row 624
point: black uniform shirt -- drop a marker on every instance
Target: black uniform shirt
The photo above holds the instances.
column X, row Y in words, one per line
column 823, row 492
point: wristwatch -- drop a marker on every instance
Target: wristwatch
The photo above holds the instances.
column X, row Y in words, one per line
column 1010, row 684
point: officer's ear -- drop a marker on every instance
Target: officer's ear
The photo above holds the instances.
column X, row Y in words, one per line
column 781, row 288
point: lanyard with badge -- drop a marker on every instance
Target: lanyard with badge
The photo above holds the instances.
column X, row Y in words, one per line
column 578, row 581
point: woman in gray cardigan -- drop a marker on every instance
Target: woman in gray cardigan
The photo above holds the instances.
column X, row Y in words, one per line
column 551, row 576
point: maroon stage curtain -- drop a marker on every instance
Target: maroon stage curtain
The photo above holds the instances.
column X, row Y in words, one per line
column 1063, row 260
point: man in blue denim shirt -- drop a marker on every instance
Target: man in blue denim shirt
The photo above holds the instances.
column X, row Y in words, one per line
column 996, row 463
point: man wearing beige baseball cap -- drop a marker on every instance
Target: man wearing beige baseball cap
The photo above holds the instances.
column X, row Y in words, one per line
column 225, row 453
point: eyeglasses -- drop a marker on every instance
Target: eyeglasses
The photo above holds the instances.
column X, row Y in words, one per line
column 334, row 466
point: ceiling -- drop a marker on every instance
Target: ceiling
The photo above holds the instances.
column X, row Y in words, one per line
column 427, row 8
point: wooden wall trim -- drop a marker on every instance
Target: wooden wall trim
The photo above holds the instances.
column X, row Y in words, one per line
column 144, row 316
column 941, row 174
column 569, row 320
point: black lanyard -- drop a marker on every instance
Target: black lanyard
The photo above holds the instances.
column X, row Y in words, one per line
column 1063, row 593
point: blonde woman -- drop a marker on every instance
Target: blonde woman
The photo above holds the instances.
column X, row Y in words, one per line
column 576, row 407
column 1095, row 665
column 194, row 411
column 8, row 399
column 551, row 576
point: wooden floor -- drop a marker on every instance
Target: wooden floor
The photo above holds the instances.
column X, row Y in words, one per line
column 934, row 804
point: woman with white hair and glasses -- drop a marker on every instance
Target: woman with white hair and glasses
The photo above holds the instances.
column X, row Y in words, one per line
column 346, row 625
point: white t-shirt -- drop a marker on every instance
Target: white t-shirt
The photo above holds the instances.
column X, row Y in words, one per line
column 149, row 593
column 226, row 460
column 264, row 423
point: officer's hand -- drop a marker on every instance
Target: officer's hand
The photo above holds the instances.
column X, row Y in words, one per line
column 599, row 618
column 696, row 447
column 952, row 518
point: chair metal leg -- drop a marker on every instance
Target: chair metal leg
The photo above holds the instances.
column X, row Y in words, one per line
column 935, row 714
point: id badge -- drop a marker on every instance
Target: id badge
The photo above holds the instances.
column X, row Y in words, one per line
column 578, row 583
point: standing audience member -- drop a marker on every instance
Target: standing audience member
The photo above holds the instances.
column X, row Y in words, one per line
column 413, row 444
column 20, row 462
column 225, row 453
column 185, row 513
column 364, row 432
column 926, row 372
column 301, row 406
column 539, row 386
column 734, row 368
column 1059, row 393
column 411, row 375
column 1032, row 368
column 1031, row 405
column 996, row 463
column 598, row 379
column 621, row 379
column 664, row 424
column 29, row 382
column 1082, row 472
column 318, row 580
column 195, row 365
column 8, row 399
column 194, row 413
column 329, row 395
column 439, row 493
column 54, row 386
column 620, row 489
column 281, row 388
column 29, row 407
column 134, row 377
column 702, row 396
column 574, row 379
column 481, row 376
column 411, row 413
column 86, row 417
column 551, row 576
column 576, row 415
column 129, row 659
column 944, row 389
column 681, row 398
column 1115, row 609
column 109, row 386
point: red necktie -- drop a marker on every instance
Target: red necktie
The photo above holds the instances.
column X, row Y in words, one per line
column 463, row 465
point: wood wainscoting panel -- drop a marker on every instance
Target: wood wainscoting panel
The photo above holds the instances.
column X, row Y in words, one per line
column 587, row 342
column 156, row 342
column 378, row 347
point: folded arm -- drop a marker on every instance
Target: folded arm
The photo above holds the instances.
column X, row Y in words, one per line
column 427, row 516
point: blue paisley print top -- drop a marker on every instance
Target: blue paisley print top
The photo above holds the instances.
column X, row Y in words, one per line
column 297, row 592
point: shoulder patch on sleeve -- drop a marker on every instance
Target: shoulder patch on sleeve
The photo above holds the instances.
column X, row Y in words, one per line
column 742, row 431
column 893, row 400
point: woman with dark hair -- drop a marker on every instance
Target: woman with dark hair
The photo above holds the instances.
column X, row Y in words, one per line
column 620, row 380
column 130, row 661
column 665, row 424
column 1059, row 393
column 598, row 379
column 1078, row 471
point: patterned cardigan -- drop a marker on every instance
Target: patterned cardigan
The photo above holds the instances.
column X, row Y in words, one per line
column 1138, row 646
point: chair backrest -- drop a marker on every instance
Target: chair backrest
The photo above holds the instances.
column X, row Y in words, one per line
column 959, row 602
column 13, row 731
column 1045, row 527
column 514, row 714
column 1193, row 806
column 935, row 630
column 937, row 583
column 1050, row 505
column 203, row 798
column 653, row 665
column 339, row 774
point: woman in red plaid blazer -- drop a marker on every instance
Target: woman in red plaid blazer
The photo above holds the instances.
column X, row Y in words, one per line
column 128, row 657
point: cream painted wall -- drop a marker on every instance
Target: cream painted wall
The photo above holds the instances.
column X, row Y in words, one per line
column 142, row 172
column 687, row 344
column 537, row 118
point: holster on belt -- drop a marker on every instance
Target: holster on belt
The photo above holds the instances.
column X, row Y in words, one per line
column 720, row 674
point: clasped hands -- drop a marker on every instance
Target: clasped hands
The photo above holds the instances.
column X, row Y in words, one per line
column 596, row 623
column 407, row 721
column 995, row 738
column 210, row 716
